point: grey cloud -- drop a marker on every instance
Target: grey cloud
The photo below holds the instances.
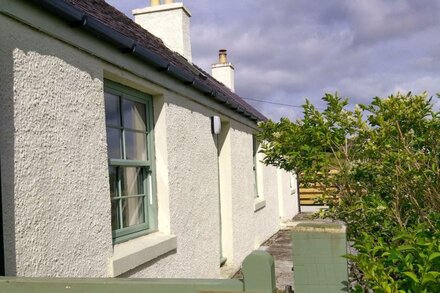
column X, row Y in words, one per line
column 127, row 6
column 378, row 20
column 287, row 50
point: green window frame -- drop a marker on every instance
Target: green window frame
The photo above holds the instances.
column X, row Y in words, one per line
column 130, row 148
column 255, row 146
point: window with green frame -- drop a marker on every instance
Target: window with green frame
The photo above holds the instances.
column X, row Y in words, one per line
column 255, row 160
column 129, row 124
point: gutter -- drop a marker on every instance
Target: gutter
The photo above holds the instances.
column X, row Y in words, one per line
column 78, row 19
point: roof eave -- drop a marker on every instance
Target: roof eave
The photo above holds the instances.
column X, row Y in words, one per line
column 79, row 19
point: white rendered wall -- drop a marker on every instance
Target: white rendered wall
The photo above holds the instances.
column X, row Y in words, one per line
column 225, row 74
column 294, row 191
column 242, row 181
column 287, row 196
column 193, row 195
column 54, row 161
column 59, row 207
column 250, row 228
column 169, row 22
column 266, row 220
column 225, row 184
column 56, row 206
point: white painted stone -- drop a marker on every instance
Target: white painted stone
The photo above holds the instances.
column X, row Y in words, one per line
column 131, row 254
column 169, row 22
column 259, row 203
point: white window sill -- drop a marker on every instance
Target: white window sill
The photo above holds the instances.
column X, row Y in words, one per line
column 131, row 254
column 259, row 203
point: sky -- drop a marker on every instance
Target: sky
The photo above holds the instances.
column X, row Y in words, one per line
column 287, row 51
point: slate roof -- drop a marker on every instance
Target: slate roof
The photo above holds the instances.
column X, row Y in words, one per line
column 118, row 21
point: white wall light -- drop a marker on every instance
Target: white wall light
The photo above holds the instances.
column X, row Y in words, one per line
column 216, row 124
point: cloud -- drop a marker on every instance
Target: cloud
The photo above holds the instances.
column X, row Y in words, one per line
column 380, row 20
column 287, row 50
column 127, row 6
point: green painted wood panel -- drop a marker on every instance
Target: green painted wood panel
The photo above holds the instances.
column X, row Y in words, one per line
column 258, row 274
column 33, row 285
column 317, row 252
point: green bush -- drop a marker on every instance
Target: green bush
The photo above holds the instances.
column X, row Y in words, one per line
column 387, row 155
column 410, row 262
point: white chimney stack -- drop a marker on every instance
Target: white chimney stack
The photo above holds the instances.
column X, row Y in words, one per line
column 223, row 71
column 168, row 21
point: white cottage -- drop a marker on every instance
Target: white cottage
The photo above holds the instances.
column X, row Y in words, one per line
column 119, row 157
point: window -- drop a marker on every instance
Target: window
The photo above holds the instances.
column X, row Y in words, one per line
column 255, row 153
column 129, row 124
column 259, row 201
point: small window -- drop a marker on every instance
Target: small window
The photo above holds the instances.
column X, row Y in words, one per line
column 255, row 146
column 129, row 127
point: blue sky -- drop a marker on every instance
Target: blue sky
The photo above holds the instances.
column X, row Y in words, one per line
column 287, row 50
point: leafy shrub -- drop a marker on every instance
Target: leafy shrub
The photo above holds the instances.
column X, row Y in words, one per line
column 387, row 155
column 410, row 262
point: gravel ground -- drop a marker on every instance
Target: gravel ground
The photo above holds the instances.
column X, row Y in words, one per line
column 280, row 247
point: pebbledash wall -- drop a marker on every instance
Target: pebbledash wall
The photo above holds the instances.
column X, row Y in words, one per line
column 55, row 185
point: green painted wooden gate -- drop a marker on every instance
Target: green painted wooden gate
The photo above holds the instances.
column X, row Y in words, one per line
column 258, row 277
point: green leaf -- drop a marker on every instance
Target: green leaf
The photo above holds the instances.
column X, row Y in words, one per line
column 412, row 276
column 430, row 277
column 405, row 247
column 434, row 255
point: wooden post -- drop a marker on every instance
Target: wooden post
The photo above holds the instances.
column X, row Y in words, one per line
column 317, row 253
column 259, row 273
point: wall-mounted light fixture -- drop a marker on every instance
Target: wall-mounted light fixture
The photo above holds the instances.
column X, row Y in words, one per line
column 216, row 124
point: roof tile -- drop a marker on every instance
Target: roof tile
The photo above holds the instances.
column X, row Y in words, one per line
column 118, row 21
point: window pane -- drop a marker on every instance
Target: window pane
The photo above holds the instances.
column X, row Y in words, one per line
column 115, row 215
column 112, row 113
column 135, row 146
column 113, row 180
column 132, row 211
column 133, row 115
column 132, row 181
column 114, row 143
column 254, row 145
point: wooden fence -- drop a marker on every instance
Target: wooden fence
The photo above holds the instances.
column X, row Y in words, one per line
column 309, row 194
column 258, row 277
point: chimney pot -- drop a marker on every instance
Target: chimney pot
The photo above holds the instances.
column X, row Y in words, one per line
column 222, row 56
column 155, row 2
